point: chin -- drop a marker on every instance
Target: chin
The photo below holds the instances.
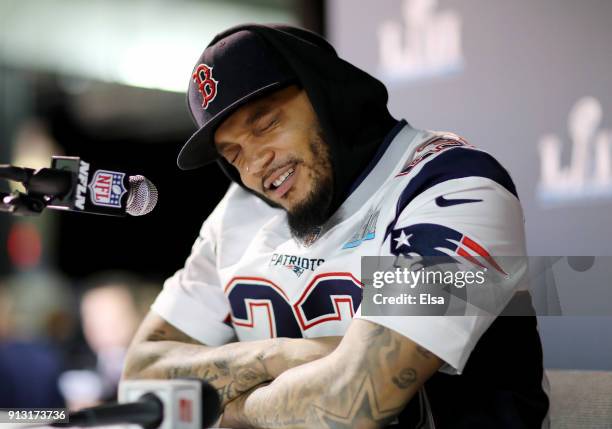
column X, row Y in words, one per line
column 308, row 213
column 295, row 199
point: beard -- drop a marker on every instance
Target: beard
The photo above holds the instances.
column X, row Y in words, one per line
column 306, row 217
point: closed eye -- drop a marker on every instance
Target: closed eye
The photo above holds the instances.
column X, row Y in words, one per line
column 231, row 154
column 269, row 125
column 235, row 156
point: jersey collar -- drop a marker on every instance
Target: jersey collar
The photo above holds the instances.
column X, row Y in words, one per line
column 387, row 160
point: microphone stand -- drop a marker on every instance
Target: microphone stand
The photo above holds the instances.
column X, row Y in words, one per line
column 43, row 188
column 21, row 204
column 16, row 174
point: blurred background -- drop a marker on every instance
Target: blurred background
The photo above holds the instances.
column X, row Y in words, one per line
column 529, row 82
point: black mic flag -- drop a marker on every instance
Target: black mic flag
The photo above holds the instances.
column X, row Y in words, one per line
column 76, row 185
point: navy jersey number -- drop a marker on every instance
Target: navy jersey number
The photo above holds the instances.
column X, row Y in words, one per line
column 318, row 303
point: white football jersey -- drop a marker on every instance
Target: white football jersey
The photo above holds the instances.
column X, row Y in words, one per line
column 248, row 279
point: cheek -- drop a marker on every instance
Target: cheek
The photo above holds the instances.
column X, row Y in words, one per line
column 293, row 143
column 314, row 173
column 251, row 182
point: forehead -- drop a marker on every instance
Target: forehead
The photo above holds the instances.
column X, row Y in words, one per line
column 247, row 115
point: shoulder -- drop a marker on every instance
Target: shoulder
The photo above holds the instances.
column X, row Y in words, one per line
column 445, row 157
column 449, row 190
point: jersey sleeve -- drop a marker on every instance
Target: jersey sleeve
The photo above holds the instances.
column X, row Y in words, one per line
column 461, row 205
column 192, row 300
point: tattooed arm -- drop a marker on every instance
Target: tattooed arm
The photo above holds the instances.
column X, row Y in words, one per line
column 161, row 351
column 364, row 383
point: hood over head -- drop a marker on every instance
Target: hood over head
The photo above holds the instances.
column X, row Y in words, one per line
column 350, row 104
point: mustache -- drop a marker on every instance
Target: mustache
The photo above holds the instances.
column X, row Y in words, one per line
column 277, row 165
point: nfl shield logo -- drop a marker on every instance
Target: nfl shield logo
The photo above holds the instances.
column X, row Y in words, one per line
column 106, row 188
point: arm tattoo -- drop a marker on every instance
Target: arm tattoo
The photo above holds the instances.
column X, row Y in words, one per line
column 222, row 366
column 365, row 409
column 405, row 378
column 298, row 402
column 158, row 335
column 167, row 353
column 229, row 377
column 167, row 334
column 227, row 392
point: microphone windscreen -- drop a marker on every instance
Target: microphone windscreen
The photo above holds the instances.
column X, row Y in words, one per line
column 211, row 405
column 142, row 196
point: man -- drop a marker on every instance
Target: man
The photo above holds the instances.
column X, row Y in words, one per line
column 112, row 306
column 323, row 177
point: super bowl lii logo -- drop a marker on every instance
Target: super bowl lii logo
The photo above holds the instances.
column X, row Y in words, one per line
column 425, row 42
column 588, row 172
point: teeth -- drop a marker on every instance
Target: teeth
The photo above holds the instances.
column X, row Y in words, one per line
column 282, row 178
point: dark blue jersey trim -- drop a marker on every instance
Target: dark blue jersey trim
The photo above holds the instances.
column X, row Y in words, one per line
column 455, row 163
column 379, row 153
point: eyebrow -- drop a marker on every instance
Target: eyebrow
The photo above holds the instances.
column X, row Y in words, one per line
column 257, row 113
column 253, row 117
column 221, row 145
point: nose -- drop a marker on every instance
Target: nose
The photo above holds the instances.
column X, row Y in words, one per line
column 259, row 161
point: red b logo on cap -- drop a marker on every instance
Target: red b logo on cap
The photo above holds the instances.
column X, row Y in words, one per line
column 206, row 84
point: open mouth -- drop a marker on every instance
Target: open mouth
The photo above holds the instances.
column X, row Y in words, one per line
column 278, row 182
column 281, row 180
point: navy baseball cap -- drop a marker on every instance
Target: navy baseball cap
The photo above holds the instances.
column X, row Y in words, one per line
column 234, row 69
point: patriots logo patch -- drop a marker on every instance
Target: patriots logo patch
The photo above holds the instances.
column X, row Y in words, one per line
column 297, row 265
column 298, row 271
column 428, row 239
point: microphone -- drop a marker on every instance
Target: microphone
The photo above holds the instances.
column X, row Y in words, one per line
column 163, row 404
column 76, row 185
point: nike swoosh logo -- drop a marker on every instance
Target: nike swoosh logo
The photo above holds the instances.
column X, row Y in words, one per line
column 443, row 202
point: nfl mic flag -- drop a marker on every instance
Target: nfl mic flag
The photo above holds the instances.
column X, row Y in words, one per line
column 103, row 191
